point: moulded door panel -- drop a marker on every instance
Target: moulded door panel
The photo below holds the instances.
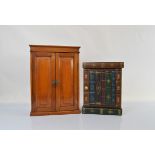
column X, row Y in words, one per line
column 66, row 76
column 44, row 73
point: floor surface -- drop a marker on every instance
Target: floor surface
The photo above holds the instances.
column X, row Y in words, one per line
column 135, row 116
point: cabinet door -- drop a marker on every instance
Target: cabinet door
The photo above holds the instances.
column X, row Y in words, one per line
column 67, row 78
column 43, row 89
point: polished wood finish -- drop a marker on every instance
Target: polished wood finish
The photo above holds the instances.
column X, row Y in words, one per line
column 58, row 49
column 54, row 80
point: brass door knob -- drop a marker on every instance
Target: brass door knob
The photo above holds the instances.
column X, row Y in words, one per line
column 86, row 87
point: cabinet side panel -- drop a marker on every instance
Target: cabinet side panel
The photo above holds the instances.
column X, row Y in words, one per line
column 32, row 81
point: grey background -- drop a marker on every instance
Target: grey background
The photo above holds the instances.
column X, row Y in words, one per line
column 135, row 45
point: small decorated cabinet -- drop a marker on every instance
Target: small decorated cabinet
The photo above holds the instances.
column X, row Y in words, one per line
column 54, row 80
column 102, row 88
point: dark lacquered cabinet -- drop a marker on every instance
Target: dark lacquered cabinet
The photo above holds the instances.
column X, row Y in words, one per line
column 102, row 88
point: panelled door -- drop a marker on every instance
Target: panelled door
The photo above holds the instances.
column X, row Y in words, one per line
column 66, row 74
column 44, row 74
column 55, row 81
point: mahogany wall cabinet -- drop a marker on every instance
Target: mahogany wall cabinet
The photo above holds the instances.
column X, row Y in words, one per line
column 54, row 80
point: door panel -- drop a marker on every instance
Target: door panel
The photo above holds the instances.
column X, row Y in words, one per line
column 44, row 74
column 66, row 78
column 66, row 95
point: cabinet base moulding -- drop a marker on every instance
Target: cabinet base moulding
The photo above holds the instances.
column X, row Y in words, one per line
column 54, row 113
column 102, row 111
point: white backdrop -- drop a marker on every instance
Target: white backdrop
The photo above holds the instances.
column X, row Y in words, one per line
column 135, row 45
